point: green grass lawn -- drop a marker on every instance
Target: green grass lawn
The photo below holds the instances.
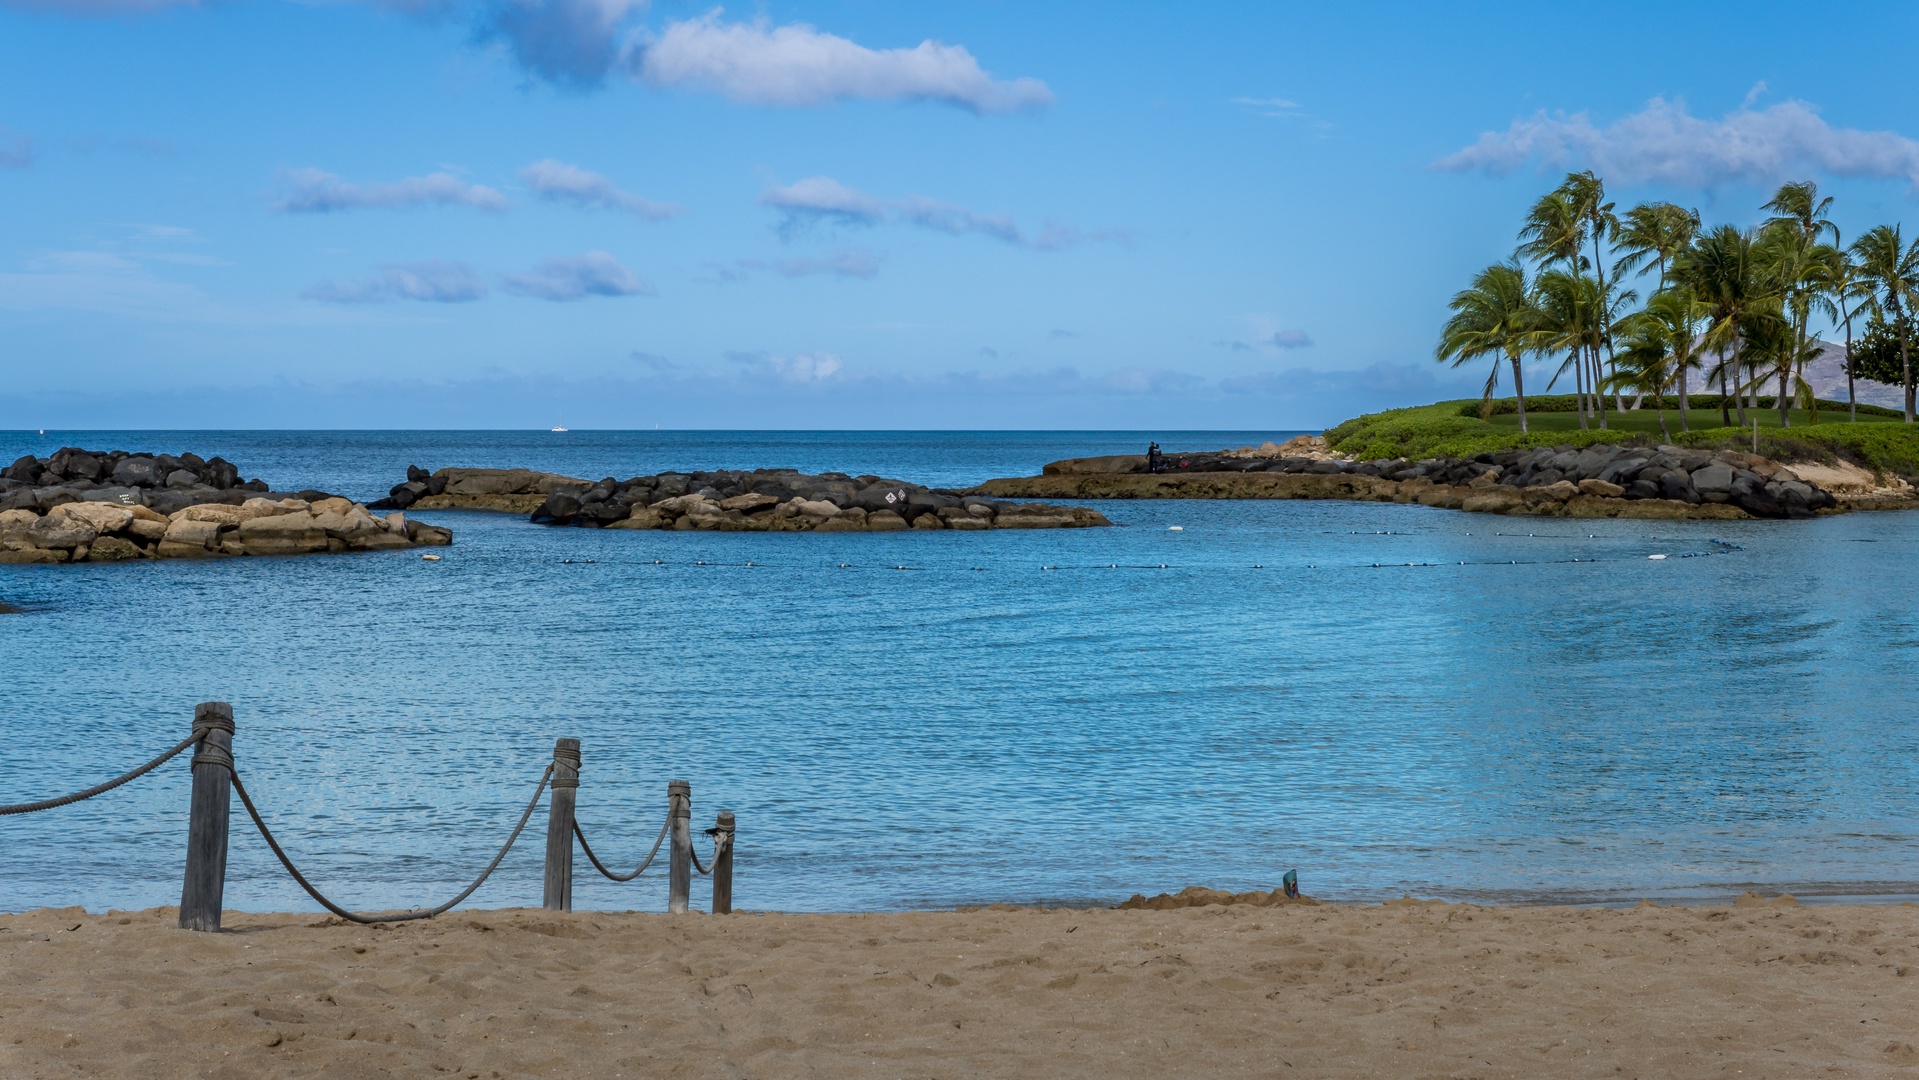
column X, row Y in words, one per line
column 1646, row 419
column 1880, row 440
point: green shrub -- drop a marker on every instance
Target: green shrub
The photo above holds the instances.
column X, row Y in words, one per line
column 1565, row 403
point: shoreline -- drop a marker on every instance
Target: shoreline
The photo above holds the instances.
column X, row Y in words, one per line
column 1407, row 988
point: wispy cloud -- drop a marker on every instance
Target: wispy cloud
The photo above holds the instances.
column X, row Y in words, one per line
column 811, row 367
column 313, row 191
column 556, row 181
column 850, row 262
column 796, row 65
column 1664, row 143
column 16, row 150
column 1282, row 340
column 433, row 282
column 576, row 277
column 822, row 200
column 1276, row 107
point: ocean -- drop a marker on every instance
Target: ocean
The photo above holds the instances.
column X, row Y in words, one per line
column 1390, row 699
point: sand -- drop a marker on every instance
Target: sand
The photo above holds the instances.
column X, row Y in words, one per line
column 1760, row 990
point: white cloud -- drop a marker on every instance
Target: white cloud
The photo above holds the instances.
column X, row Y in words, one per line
column 313, row 191
column 843, row 262
column 576, row 277
column 556, row 181
column 434, row 281
column 16, row 150
column 1663, row 143
column 824, row 200
column 1281, row 340
column 796, row 65
column 811, row 367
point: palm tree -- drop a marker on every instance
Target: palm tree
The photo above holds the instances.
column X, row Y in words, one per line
column 1569, row 317
column 1494, row 317
column 1587, row 192
column 1554, row 236
column 1799, row 223
column 1891, row 270
column 1650, row 357
column 1846, row 289
column 1729, row 278
column 1657, row 233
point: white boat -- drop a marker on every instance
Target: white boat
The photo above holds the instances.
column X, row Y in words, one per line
column 559, row 429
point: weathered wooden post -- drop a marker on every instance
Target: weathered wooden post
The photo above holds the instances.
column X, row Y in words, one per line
column 679, row 809
column 205, row 886
column 723, row 863
column 559, row 825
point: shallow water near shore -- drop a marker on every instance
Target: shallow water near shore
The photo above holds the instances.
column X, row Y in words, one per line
column 1532, row 711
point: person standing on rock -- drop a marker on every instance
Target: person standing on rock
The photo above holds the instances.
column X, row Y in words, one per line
column 1152, row 457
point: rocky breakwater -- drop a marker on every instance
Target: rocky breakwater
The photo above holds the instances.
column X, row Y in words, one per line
column 1601, row 480
column 515, row 491
column 784, row 500
column 160, row 482
column 111, row 532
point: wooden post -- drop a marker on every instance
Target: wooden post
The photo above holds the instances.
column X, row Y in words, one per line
column 723, row 863
column 559, row 825
column 205, row 886
column 679, row 808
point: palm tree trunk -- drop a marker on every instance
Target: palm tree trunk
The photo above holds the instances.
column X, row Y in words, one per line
column 1852, row 397
column 1579, row 377
column 1599, row 397
column 1685, row 388
column 1519, row 392
column 1725, row 414
column 1785, row 402
column 1905, row 360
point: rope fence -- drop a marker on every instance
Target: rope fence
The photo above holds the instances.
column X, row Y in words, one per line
column 215, row 776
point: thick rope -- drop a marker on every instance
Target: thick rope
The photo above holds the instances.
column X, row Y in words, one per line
column 595, row 859
column 404, row 916
column 695, row 856
column 101, row 789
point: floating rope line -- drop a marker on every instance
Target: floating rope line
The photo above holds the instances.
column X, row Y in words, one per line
column 101, row 789
column 408, row 916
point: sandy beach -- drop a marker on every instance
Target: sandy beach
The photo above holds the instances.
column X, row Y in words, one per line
column 1760, row 989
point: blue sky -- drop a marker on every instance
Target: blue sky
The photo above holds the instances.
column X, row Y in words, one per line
column 257, row 213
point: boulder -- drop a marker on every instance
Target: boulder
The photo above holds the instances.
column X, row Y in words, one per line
column 219, row 514
column 60, row 531
column 290, row 533
column 113, row 549
column 1676, row 484
column 101, row 517
column 882, row 496
column 751, row 503
column 927, row 519
column 125, row 496
column 1603, row 489
column 1557, row 491
column 885, row 521
column 139, row 471
column 1115, row 463
column 1717, row 476
column 191, row 532
column 23, row 555
column 183, row 478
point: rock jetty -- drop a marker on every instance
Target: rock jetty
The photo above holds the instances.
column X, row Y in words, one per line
column 514, row 491
column 1602, row 480
column 762, row 500
column 86, row 506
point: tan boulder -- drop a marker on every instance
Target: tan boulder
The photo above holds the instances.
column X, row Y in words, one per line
column 928, row 522
column 259, row 508
column 334, row 505
column 19, row 556
column 819, row 508
column 190, row 531
column 1601, row 488
column 99, row 516
column 219, row 513
column 147, row 530
column 505, row 481
column 1495, row 500
column 347, row 524
column 642, row 517
column 146, row 513
column 1558, row 491
column 885, row 521
column 16, row 521
column 749, row 503
column 378, row 540
column 174, row 549
column 291, row 533
column 60, row 531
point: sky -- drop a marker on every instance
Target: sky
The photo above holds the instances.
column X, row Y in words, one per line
column 846, row 214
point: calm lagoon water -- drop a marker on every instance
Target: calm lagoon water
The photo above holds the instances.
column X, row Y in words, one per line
column 1535, row 711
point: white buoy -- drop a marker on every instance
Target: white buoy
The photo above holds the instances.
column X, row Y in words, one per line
column 1175, row 528
column 429, row 558
column 1655, row 557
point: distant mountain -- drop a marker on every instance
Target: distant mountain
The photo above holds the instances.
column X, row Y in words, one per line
column 1827, row 376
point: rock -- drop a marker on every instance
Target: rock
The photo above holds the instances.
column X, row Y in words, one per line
column 560, row 506
column 19, row 556
column 291, row 533
column 183, row 478
column 1115, row 463
column 1676, row 484
column 1638, row 489
column 20, row 499
column 1557, row 491
column 101, row 517
column 113, row 549
column 139, row 471
column 1715, row 477
column 347, row 526
column 1601, row 488
column 751, row 503
column 60, row 531
column 24, row 469
column 882, row 496
column 928, row 520
column 818, row 508
column 192, row 532
column 885, row 521
column 643, row 517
